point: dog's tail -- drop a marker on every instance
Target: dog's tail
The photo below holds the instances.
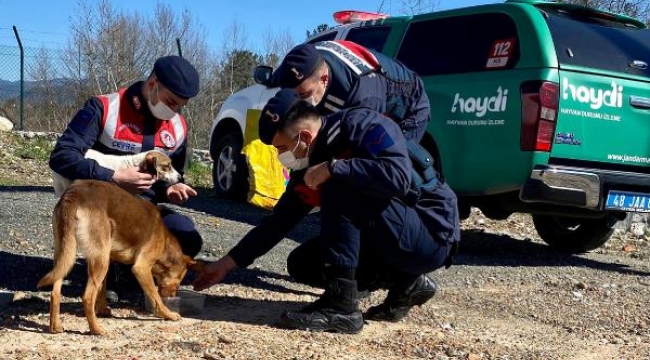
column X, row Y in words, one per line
column 64, row 227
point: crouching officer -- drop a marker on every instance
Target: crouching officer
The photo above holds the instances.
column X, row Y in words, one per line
column 355, row 165
column 336, row 75
column 139, row 118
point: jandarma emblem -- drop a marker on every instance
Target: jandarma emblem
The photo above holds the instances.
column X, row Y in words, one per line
column 299, row 76
column 274, row 117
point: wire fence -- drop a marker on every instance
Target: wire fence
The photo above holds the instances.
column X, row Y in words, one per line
column 35, row 90
column 45, row 88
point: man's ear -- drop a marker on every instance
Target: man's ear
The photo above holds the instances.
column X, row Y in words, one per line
column 325, row 78
column 151, row 82
column 306, row 136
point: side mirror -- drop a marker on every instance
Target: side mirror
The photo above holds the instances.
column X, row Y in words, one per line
column 262, row 74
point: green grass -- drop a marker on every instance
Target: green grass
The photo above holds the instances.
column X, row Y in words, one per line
column 5, row 181
column 198, row 175
column 36, row 148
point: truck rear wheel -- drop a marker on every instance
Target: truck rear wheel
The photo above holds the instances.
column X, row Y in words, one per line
column 574, row 235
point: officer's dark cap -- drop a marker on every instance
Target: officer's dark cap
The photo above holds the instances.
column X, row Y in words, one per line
column 274, row 113
column 299, row 64
column 177, row 75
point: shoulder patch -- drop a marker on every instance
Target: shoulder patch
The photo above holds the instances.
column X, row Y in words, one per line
column 378, row 139
column 81, row 121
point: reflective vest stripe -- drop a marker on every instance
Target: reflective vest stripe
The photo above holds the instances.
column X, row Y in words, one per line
column 179, row 130
column 354, row 61
column 111, row 120
column 111, row 115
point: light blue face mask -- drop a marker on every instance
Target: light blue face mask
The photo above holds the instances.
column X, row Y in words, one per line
column 289, row 160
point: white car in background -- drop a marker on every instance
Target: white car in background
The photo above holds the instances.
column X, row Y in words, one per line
column 230, row 172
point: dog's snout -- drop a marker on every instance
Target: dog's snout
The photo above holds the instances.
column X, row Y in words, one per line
column 171, row 177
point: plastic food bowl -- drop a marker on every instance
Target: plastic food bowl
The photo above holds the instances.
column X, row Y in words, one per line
column 185, row 302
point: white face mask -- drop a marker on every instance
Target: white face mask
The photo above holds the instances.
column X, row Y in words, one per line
column 160, row 110
column 289, row 160
column 311, row 100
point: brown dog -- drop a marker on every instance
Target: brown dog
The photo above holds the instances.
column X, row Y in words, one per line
column 107, row 223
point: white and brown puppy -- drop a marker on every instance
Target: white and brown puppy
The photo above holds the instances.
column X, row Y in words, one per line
column 153, row 162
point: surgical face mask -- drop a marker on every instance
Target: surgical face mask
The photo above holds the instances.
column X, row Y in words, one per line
column 160, row 110
column 311, row 100
column 320, row 85
column 289, row 160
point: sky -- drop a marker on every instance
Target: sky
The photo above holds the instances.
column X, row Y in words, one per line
column 45, row 23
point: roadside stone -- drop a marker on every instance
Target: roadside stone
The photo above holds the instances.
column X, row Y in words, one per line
column 19, row 295
column 6, row 124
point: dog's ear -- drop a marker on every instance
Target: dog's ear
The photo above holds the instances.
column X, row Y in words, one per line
column 194, row 265
column 149, row 164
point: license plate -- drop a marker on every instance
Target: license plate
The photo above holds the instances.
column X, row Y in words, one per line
column 628, row 201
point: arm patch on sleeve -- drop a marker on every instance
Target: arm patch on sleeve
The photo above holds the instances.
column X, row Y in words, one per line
column 81, row 121
column 378, row 139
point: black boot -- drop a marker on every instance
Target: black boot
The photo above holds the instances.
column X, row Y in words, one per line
column 402, row 296
column 336, row 310
column 122, row 286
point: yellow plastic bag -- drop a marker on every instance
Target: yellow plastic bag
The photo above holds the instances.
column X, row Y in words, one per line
column 267, row 178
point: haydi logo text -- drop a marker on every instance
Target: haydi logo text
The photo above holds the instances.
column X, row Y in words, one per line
column 481, row 105
column 596, row 98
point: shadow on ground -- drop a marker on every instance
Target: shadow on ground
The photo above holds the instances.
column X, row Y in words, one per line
column 27, row 188
column 243, row 212
column 22, row 273
column 478, row 248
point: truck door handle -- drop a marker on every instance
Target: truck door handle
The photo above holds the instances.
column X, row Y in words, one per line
column 640, row 102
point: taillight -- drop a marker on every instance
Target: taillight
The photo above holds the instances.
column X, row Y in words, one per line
column 539, row 105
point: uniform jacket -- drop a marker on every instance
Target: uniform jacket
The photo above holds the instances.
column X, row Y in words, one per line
column 363, row 77
column 371, row 156
column 119, row 124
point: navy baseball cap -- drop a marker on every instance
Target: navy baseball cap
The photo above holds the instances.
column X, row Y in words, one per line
column 274, row 113
column 177, row 75
column 299, row 64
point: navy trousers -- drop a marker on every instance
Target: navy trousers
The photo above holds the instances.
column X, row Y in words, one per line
column 372, row 235
column 183, row 228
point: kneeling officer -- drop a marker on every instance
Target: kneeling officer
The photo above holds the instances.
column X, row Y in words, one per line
column 355, row 165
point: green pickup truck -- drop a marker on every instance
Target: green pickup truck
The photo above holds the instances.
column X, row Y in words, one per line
column 536, row 107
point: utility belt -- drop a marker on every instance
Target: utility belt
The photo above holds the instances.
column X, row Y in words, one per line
column 424, row 176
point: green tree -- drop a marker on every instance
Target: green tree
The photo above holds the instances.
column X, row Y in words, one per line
column 237, row 69
column 639, row 9
column 319, row 29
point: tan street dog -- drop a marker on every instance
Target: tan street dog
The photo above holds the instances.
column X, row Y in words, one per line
column 109, row 224
column 153, row 162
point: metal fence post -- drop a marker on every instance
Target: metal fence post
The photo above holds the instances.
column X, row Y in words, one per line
column 178, row 45
column 22, row 79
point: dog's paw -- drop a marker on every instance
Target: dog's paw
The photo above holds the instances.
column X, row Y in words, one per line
column 174, row 316
column 97, row 330
column 56, row 329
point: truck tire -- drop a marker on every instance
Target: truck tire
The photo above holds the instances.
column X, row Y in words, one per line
column 574, row 235
column 229, row 170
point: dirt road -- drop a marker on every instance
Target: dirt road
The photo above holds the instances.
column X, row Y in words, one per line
column 507, row 297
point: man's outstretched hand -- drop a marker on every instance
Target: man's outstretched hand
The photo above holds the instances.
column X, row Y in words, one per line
column 214, row 273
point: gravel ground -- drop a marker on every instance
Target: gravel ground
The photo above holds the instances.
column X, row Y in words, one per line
column 507, row 297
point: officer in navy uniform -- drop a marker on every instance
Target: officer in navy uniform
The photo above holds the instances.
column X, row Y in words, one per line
column 336, row 75
column 139, row 118
column 356, row 166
